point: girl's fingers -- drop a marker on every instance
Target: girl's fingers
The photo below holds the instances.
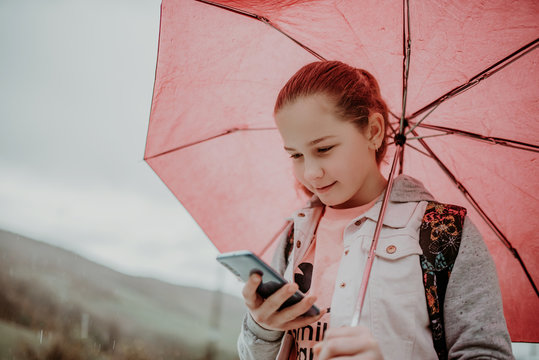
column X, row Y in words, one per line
column 346, row 331
column 302, row 321
column 339, row 347
column 356, row 342
column 293, row 316
column 266, row 311
column 251, row 297
column 296, row 311
column 274, row 302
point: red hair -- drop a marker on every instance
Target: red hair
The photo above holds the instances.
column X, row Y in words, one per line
column 355, row 93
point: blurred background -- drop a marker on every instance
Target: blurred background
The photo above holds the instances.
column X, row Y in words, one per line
column 98, row 260
column 140, row 279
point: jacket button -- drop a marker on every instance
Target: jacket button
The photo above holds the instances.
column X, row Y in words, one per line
column 391, row 249
column 343, row 284
column 298, row 244
column 301, row 215
column 346, row 252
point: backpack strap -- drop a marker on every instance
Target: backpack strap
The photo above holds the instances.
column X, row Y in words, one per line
column 439, row 237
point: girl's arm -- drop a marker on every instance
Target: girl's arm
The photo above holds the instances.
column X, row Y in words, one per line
column 473, row 314
column 255, row 342
column 262, row 338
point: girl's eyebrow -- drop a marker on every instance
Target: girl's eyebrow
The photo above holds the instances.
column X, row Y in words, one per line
column 314, row 142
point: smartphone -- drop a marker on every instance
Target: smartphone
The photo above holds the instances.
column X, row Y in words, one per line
column 244, row 263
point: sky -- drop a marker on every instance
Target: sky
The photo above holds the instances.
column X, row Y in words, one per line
column 76, row 82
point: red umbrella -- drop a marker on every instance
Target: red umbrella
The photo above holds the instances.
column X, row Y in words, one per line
column 464, row 73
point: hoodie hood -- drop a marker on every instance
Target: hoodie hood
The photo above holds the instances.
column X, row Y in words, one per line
column 406, row 188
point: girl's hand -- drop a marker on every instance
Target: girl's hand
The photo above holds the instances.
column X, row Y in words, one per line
column 266, row 311
column 349, row 343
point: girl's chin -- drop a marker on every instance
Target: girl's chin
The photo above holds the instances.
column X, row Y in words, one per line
column 331, row 201
column 337, row 203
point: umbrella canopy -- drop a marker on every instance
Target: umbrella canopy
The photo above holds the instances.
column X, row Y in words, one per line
column 471, row 83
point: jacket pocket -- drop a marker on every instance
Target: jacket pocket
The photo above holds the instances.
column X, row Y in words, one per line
column 395, row 246
column 397, row 293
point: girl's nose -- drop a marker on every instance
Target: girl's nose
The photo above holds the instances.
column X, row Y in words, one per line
column 312, row 171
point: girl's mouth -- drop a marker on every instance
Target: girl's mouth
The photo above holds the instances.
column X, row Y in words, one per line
column 324, row 189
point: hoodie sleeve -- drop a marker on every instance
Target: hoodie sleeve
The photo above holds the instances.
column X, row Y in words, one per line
column 256, row 342
column 473, row 314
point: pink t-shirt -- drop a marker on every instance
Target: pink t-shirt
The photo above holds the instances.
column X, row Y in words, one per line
column 316, row 274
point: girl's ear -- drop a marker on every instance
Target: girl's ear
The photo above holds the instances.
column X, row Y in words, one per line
column 375, row 130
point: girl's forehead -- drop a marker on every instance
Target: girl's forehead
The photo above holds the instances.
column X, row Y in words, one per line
column 306, row 110
column 308, row 119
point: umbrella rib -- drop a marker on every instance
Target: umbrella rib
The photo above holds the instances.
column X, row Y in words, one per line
column 394, row 115
column 423, row 118
column 266, row 21
column 490, row 139
column 308, row 49
column 419, row 150
column 427, row 136
column 481, row 212
column 481, row 76
column 275, row 237
column 392, row 128
column 226, row 132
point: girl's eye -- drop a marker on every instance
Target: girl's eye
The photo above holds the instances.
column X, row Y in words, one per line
column 295, row 156
column 324, row 149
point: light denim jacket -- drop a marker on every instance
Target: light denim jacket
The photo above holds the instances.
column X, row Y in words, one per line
column 395, row 308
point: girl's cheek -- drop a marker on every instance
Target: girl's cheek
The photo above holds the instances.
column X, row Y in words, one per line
column 298, row 171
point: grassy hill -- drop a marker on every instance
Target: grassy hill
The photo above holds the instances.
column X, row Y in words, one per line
column 55, row 304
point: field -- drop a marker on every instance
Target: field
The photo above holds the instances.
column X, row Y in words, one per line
column 57, row 305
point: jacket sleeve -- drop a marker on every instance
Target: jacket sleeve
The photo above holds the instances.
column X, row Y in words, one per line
column 256, row 342
column 475, row 326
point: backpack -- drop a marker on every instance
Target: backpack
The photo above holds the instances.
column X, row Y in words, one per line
column 439, row 237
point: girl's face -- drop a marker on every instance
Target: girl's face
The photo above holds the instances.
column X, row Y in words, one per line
column 332, row 157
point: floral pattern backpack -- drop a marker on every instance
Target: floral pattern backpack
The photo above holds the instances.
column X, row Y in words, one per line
column 439, row 237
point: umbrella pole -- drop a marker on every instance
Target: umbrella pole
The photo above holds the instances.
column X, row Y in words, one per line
column 400, row 139
column 372, row 250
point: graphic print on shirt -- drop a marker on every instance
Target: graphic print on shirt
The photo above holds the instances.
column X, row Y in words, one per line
column 304, row 280
column 313, row 332
column 305, row 337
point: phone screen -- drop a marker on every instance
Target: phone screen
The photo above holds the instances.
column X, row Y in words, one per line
column 244, row 263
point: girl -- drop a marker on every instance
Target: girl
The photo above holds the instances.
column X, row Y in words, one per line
column 333, row 123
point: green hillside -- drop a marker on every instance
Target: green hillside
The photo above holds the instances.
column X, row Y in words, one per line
column 55, row 304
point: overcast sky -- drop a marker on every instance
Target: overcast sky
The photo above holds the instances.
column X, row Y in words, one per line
column 76, row 87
